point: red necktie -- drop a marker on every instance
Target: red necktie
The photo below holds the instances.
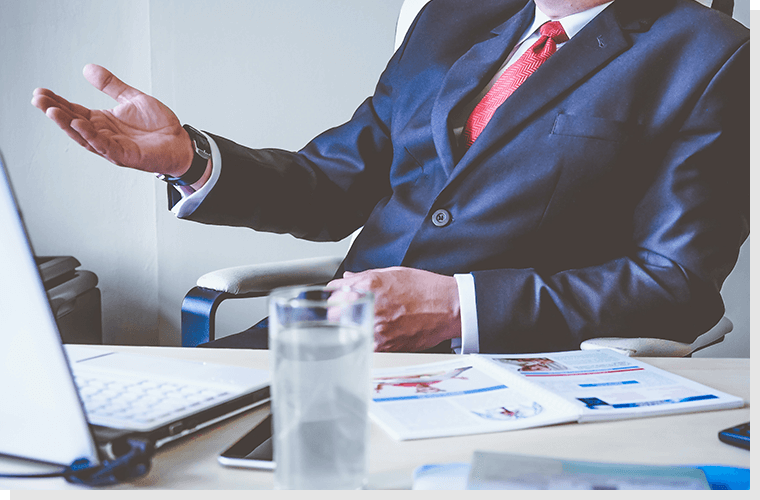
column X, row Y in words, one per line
column 552, row 33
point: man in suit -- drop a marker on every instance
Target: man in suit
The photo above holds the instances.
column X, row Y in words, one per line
column 606, row 196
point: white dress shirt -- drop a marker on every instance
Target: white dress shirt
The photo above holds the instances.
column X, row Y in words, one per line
column 469, row 342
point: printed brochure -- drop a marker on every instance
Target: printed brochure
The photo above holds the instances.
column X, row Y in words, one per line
column 480, row 393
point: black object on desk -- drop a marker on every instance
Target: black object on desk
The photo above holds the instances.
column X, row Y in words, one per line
column 737, row 436
column 254, row 450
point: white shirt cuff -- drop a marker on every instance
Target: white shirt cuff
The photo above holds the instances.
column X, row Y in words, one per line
column 191, row 201
column 470, row 342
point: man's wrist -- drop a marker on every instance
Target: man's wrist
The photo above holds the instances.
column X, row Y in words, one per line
column 188, row 153
column 199, row 164
column 193, row 196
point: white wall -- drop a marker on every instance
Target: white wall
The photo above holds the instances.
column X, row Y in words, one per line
column 75, row 203
column 262, row 72
column 270, row 73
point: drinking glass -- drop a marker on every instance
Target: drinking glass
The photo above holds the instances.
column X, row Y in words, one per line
column 321, row 343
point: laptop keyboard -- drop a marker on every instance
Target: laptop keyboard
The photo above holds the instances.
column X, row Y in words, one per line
column 135, row 403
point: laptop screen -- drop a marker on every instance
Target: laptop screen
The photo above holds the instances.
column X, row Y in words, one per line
column 41, row 416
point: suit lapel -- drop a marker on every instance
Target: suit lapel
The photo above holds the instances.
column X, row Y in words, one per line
column 599, row 42
column 468, row 75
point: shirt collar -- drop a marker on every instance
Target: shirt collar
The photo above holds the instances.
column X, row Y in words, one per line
column 572, row 23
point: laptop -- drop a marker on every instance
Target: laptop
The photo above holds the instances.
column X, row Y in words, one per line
column 61, row 403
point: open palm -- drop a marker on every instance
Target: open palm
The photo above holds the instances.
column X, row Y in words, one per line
column 140, row 132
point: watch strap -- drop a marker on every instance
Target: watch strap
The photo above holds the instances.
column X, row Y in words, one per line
column 201, row 155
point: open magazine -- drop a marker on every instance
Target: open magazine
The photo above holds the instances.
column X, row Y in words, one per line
column 489, row 393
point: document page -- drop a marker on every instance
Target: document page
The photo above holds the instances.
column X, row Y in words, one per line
column 606, row 385
column 456, row 398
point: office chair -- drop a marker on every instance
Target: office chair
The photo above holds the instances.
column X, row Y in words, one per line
column 201, row 302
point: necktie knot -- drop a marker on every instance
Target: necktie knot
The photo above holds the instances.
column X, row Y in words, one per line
column 552, row 33
column 553, row 30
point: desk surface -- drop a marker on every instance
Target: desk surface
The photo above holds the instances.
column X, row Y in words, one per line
column 191, row 463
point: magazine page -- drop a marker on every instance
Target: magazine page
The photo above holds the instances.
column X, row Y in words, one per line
column 455, row 398
column 604, row 384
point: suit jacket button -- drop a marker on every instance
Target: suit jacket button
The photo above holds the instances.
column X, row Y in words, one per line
column 441, row 217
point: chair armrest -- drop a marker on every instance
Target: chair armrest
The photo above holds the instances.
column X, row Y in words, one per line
column 200, row 304
column 262, row 278
column 648, row 347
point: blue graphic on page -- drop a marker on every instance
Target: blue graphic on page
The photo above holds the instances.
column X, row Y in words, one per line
column 596, row 403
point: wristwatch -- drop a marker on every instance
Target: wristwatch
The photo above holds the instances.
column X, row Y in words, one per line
column 200, row 160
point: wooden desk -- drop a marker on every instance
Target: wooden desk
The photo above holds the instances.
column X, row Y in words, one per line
column 191, row 463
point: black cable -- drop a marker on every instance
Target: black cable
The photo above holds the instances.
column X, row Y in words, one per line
column 34, row 476
column 77, row 467
column 133, row 463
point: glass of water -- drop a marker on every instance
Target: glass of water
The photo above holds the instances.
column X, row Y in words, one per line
column 321, row 343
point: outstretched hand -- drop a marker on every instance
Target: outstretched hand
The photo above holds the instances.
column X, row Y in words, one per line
column 140, row 132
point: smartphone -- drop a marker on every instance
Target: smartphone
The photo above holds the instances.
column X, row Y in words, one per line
column 737, row 435
column 252, row 451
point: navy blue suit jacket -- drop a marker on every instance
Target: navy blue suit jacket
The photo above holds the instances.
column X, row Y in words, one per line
column 608, row 196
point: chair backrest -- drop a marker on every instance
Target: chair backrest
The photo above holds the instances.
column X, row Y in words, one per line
column 406, row 16
column 725, row 6
column 409, row 11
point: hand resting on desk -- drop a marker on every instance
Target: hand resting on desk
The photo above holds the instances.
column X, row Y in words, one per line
column 414, row 309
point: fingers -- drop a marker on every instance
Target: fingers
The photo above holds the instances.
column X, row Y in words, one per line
column 44, row 99
column 63, row 120
column 106, row 82
column 99, row 142
column 75, row 121
column 62, row 112
column 100, row 78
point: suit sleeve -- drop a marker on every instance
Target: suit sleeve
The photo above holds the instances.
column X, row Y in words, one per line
column 687, row 231
column 321, row 199
column 323, row 192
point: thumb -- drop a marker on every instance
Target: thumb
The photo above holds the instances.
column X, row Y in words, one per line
column 348, row 274
column 106, row 82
